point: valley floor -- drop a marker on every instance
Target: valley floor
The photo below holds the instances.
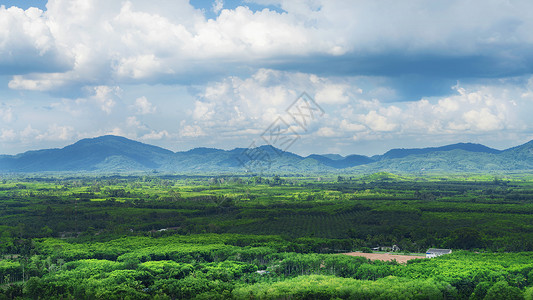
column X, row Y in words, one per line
column 266, row 237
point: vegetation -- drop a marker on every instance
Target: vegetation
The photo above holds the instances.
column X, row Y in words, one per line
column 108, row 154
column 264, row 237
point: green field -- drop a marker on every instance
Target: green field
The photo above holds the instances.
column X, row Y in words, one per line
column 175, row 237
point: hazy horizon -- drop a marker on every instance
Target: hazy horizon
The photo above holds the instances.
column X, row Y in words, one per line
column 289, row 150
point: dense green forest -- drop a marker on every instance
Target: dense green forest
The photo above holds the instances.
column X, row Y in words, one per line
column 175, row 237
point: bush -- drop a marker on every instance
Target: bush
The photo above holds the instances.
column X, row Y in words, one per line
column 481, row 290
column 528, row 294
column 502, row 291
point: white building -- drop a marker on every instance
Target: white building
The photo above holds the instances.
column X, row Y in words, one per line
column 432, row 252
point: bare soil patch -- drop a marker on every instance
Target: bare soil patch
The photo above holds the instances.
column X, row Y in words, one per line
column 385, row 256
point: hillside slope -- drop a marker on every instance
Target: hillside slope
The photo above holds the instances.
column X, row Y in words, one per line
column 118, row 154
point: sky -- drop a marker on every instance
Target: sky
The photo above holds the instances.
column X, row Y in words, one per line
column 183, row 74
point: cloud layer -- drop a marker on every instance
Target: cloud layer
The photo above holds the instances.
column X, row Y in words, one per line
column 392, row 72
column 98, row 42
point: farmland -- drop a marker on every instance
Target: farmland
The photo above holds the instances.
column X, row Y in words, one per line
column 173, row 237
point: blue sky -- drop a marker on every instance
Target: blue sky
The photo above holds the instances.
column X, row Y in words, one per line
column 182, row 74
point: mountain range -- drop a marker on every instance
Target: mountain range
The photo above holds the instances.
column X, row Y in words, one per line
column 109, row 153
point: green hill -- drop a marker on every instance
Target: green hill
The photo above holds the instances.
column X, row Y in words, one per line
column 118, row 154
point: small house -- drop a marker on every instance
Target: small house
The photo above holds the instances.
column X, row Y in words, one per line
column 433, row 252
column 382, row 248
column 387, row 248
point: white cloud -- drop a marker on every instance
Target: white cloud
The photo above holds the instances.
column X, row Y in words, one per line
column 135, row 41
column 105, row 97
column 115, row 131
column 140, row 67
column 256, row 101
column 37, row 82
column 347, row 126
column 377, row 122
column 191, row 131
column 143, row 106
column 447, row 105
column 234, row 111
column 483, row 120
column 245, row 106
column 26, row 41
column 203, row 110
column 472, row 111
column 133, row 122
column 327, row 132
column 155, row 135
column 333, row 94
column 29, row 132
column 217, row 6
column 6, row 114
column 259, row 99
column 95, row 42
column 57, row 133
column 7, row 134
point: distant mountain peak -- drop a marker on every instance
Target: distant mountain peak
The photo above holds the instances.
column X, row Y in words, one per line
column 106, row 138
column 111, row 153
column 202, row 150
column 404, row 152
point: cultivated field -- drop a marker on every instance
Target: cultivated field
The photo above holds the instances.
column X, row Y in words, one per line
column 385, row 256
column 233, row 237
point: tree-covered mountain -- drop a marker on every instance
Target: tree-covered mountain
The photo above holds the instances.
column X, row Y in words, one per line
column 101, row 153
column 119, row 154
column 470, row 147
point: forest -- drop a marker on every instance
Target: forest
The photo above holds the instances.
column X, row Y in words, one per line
column 264, row 237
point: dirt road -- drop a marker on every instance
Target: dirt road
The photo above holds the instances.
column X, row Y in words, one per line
column 384, row 256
